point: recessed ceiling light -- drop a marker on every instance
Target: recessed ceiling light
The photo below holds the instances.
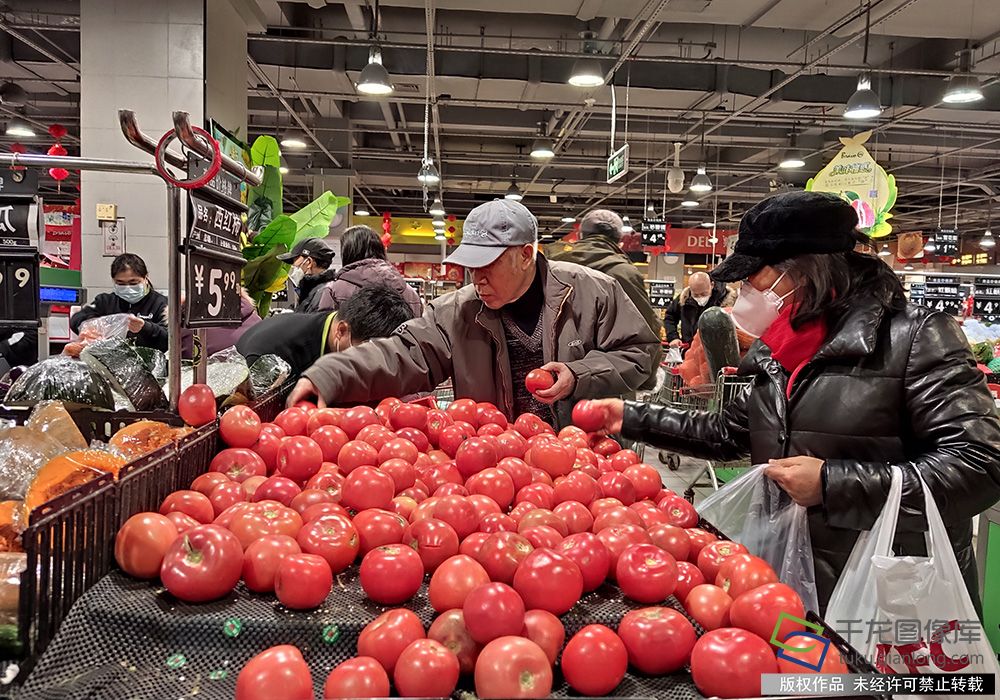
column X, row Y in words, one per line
column 568, row 220
column 690, row 203
column 361, row 211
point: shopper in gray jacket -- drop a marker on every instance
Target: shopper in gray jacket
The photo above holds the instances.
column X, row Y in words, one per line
column 522, row 312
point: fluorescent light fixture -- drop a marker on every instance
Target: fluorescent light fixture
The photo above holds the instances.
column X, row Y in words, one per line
column 708, row 224
column 885, row 252
column 701, row 183
column 568, row 220
column 428, row 174
column 930, row 246
column 586, row 73
column 437, row 208
column 19, row 127
column 987, row 240
column 542, row 149
column 361, row 211
column 690, row 203
column 293, row 139
column 374, row 78
column 864, row 103
column 908, row 267
column 514, row 193
column 790, row 161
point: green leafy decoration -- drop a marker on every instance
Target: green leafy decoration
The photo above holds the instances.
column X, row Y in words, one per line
column 281, row 231
column 851, row 196
column 264, row 200
column 263, row 272
column 266, row 151
column 313, row 220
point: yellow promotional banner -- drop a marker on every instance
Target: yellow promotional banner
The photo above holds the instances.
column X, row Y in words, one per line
column 854, row 175
column 408, row 229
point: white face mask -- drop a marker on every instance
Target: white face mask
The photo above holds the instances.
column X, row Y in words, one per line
column 701, row 301
column 295, row 275
column 755, row 311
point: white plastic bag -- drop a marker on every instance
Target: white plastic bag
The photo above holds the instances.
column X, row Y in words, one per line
column 757, row 513
column 914, row 614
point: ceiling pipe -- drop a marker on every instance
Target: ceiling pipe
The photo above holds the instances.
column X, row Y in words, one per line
column 4, row 25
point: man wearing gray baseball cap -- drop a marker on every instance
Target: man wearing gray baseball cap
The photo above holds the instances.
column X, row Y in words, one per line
column 521, row 313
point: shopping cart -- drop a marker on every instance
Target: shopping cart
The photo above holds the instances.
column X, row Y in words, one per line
column 713, row 398
column 444, row 394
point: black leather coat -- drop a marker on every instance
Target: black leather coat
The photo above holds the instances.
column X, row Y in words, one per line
column 886, row 388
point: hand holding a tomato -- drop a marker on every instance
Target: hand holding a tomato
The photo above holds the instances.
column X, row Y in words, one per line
column 800, row 477
column 564, row 384
column 304, row 390
column 614, row 411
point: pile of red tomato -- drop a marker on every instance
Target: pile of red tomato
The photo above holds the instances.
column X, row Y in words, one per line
column 512, row 523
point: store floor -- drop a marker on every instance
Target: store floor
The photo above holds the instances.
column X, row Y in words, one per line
column 680, row 479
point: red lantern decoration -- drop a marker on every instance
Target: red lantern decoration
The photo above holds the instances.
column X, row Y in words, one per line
column 451, row 229
column 57, row 131
column 450, row 241
column 386, row 240
column 57, row 149
column 58, row 174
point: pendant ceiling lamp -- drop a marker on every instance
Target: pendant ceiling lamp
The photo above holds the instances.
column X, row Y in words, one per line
column 587, row 71
column 963, row 87
column 374, row 78
column 864, row 103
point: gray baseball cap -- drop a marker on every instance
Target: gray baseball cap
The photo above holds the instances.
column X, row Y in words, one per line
column 492, row 228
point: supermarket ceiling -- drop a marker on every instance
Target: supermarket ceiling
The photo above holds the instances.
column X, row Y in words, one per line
column 731, row 80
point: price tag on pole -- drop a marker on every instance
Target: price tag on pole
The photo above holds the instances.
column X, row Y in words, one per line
column 213, row 289
column 942, row 293
column 986, row 299
column 19, row 292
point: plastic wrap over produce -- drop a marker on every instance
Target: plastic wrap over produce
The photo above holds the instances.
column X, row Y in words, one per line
column 227, row 373
column 757, row 513
column 114, row 326
column 52, row 418
column 268, row 372
column 62, row 379
column 23, row 452
column 123, row 368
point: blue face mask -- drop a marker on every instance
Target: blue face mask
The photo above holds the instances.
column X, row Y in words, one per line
column 132, row 293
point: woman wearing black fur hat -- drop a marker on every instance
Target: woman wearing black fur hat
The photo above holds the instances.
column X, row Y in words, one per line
column 850, row 380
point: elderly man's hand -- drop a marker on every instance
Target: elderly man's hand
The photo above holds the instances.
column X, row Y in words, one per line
column 800, row 477
column 304, row 390
column 563, row 388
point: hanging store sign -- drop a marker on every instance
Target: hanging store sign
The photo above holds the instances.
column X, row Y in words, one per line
column 854, row 175
column 19, row 293
column 946, row 244
column 20, row 222
column 618, row 164
column 986, row 299
column 969, row 259
column 213, row 289
column 939, row 293
column 653, row 233
column 660, row 293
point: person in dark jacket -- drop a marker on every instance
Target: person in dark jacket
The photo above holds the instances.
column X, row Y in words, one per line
column 363, row 256
column 301, row 339
column 849, row 380
column 133, row 295
column 599, row 249
column 310, row 260
column 688, row 306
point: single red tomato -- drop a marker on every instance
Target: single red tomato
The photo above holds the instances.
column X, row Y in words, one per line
column 591, row 557
column 758, row 611
column 518, row 511
column 462, row 410
column 680, row 512
column 459, row 513
column 385, row 407
column 590, row 416
column 539, row 494
column 451, row 490
column 426, row 669
column 594, row 661
column 192, row 503
column 543, row 516
column 272, row 429
column 728, row 663
column 240, row 426
column 688, row 576
column 475, row 455
column 698, row 539
column 385, row 637
column 547, row 580
column 277, row 488
column 318, row 510
column 497, row 522
column 206, row 483
column 417, row 437
column 402, row 473
column 331, row 441
column 328, row 479
column 438, row 474
column 302, row 581
column 202, row 564
column 743, row 572
column 425, row 509
column 573, row 436
column 546, row 630
column 449, row 630
column 513, row 667
column 436, row 422
column 453, row 580
column 391, row 574
column 261, row 559
column 577, row 486
column 492, row 417
column 620, row 515
column 453, row 437
column 267, row 447
column 238, row 463
column 333, row 537
column 539, row 380
column 646, row 480
column 226, row 517
column 310, row 497
column 367, row 487
column 403, row 506
column 554, row 457
column 713, row 554
column 493, row 610
column 484, row 505
column 357, row 418
column 617, row 538
column 540, row 476
column 278, row 672
column 495, row 483
column 617, row 485
column 575, row 515
column 671, row 539
column 833, row 662
column 434, row 540
column 356, row 454
column 709, row 606
column 377, row 527
column 472, row 544
column 197, row 405
column 143, row 542
column 530, row 425
column 375, row 435
column 600, row 505
column 251, row 485
column 658, row 640
column 264, row 519
column 646, row 573
column 651, row 517
column 398, row 448
column 606, row 447
column 502, row 553
column 511, row 443
column 321, row 417
column 293, row 421
column 518, row 471
column 408, row 415
column 225, row 495
column 182, row 521
column 542, row 536
column 360, row 677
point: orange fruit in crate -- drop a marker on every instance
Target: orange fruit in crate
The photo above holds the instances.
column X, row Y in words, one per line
column 68, row 471
column 142, row 437
column 11, row 525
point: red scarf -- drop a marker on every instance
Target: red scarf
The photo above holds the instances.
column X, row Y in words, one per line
column 794, row 348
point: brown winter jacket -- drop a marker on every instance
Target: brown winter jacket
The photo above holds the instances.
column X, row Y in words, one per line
column 366, row 273
column 590, row 325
